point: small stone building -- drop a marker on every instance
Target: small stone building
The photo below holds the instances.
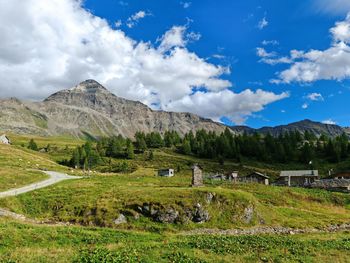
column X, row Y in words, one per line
column 340, row 185
column 166, row 172
column 255, row 177
column 302, row 178
column 4, row 139
column 197, row 176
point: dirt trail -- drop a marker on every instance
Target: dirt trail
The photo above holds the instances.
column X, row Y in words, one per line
column 55, row 177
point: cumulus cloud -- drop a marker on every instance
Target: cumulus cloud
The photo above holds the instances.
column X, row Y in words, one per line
column 329, row 121
column 305, row 106
column 270, row 42
column 331, row 6
column 227, row 103
column 50, row 45
column 135, row 18
column 263, row 23
column 315, row 96
column 186, row 4
column 330, row 64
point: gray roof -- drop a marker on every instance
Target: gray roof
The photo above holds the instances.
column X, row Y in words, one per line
column 300, row 173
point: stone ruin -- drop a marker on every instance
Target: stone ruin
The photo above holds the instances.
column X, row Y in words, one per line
column 197, row 176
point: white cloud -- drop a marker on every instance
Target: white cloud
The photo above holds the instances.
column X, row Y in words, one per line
column 118, row 23
column 329, row 121
column 330, row 64
column 135, row 18
column 336, row 7
column 305, row 106
column 123, row 3
column 271, row 57
column 263, row 23
column 177, row 37
column 186, row 4
column 50, row 45
column 261, row 52
column 227, row 103
column 270, row 42
column 315, row 97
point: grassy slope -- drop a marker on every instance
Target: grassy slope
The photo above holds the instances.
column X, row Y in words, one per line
column 109, row 195
column 18, row 167
column 28, row 243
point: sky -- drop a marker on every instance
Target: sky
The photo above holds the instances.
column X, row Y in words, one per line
column 252, row 62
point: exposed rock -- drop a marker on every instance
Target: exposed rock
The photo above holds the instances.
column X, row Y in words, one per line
column 209, row 197
column 169, row 215
column 200, row 215
column 248, row 214
column 120, row 220
column 181, row 215
column 89, row 109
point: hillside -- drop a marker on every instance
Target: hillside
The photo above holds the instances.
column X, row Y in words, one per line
column 97, row 218
column 316, row 128
column 89, row 109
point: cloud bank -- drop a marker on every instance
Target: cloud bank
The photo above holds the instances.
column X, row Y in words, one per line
column 50, row 45
column 313, row 65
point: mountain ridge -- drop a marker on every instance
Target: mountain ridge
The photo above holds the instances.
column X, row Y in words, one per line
column 90, row 109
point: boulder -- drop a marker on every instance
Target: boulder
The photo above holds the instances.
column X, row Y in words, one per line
column 120, row 220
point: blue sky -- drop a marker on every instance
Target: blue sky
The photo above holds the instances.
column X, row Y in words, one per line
column 256, row 63
column 230, row 29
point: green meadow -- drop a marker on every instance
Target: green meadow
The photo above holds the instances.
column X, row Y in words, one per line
column 92, row 204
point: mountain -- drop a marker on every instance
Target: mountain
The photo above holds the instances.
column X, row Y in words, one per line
column 89, row 109
column 316, row 128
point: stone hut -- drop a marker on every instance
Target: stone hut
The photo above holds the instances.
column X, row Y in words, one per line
column 340, row 185
column 4, row 139
column 166, row 172
column 197, row 176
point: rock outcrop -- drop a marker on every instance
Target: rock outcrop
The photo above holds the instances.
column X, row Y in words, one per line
column 89, row 109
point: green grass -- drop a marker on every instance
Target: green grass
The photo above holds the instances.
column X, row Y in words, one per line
column 93, row 203
column 28, row 243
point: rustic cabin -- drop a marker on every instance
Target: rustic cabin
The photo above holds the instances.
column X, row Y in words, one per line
column 302, row 178
column 166, row 172
column 4, row 139
column 339, row 185
column 255, row 177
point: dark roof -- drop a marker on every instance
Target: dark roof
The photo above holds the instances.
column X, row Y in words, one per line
column 299, row 173
column 341, row 174
column 259, row 174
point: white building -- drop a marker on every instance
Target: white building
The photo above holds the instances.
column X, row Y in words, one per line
column 166, row 172
column 4, row 139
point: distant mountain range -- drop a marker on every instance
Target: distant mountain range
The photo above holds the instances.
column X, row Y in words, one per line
column 89, row 109
column 316, row 128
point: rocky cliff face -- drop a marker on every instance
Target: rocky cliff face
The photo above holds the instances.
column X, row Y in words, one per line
column 90, row 109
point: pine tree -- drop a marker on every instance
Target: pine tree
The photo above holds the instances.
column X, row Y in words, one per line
column 186, row 147
column 130, row 151
column 32, row 145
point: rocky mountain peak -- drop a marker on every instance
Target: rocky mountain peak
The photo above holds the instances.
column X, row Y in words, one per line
column 89, row 86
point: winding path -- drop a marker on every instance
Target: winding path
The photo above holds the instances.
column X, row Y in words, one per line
column 55, row 177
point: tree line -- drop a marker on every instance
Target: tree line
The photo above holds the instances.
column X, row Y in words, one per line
column 288, row 147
